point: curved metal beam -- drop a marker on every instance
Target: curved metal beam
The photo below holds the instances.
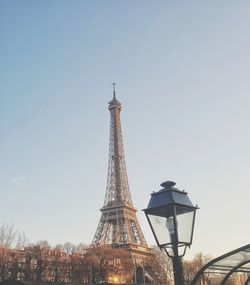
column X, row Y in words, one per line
column 247, row 281
column 201, row 271
column 223, row 282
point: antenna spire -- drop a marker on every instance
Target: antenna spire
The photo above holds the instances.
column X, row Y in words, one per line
column 114, row 91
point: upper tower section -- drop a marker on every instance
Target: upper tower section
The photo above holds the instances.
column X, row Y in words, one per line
column 114, row 103
column 117, row 190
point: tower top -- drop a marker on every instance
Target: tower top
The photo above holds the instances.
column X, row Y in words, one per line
column 114, row 91
column 114, row 103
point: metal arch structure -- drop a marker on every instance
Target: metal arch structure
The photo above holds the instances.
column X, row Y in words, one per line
column 236, row 261
column 248, row 280
column 118, row 225
column 228, row 275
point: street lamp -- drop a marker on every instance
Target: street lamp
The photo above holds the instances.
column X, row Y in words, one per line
column 171, row 216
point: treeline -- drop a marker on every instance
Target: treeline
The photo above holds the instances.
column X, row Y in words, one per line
column 80, row 263
column 72, row 263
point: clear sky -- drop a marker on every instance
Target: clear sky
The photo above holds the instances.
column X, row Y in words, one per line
column 182, row 71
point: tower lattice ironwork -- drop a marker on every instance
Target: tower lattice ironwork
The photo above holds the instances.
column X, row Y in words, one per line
column 118, row 225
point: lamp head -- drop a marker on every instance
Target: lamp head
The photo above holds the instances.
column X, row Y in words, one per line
column 171, row 216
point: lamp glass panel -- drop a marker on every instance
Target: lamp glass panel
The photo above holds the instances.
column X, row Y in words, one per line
column 163, row 228
column 184, row 224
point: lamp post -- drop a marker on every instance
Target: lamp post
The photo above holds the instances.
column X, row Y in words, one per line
column 171, row 216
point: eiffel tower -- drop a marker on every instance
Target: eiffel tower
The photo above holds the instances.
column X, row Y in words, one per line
column 118, row 225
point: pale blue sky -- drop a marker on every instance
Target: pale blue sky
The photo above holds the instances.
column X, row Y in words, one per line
column 182, row 70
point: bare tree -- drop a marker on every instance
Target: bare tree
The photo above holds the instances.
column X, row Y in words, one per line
column 159, row 267
column 191, row 267
column 43, row 244
column 10, row 238
column 7, row 236
column 69, row 247
column 81, row 248
column 80, row 268
column 21, row 241
column 105, row 261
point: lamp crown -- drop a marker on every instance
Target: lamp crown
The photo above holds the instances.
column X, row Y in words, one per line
column 168, row 184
